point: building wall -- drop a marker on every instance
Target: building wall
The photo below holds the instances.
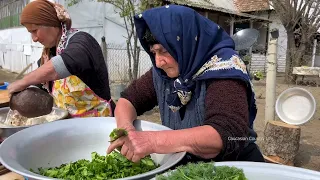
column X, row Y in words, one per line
column 282, row 41
column 257, row 60
column 17, row 50
column 10, row 11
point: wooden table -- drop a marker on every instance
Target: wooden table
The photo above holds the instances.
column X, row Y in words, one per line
column 4, row 98
column 11, row 176
column 304, row 71
column 5, row 174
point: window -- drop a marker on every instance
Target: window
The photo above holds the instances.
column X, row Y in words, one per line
column 240, row 26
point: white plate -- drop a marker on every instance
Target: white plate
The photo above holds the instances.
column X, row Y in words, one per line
column 295, row 106
column 268, row 171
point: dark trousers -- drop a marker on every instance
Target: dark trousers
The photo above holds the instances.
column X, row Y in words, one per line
column 251, row 153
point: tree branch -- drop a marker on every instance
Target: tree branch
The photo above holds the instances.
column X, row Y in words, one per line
column 116, row 3
column 295, row 6
column 315, row 13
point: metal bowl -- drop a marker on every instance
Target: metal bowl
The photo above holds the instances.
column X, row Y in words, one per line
column 59, row 142
column 295, row 106
column 6, row 131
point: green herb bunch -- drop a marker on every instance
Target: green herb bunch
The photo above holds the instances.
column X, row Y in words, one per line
column 111, row 166
column 203, row 171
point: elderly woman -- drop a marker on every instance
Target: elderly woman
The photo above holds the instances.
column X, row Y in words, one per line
column 200, row 85
column 72, row 66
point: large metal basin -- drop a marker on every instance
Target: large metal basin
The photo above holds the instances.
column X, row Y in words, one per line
column 55, row 143
column 5, row 132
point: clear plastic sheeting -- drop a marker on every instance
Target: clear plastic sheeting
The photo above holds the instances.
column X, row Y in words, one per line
column 17, row 50
column 14, row 119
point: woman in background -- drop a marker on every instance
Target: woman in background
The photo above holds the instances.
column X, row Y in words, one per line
column 72, row 66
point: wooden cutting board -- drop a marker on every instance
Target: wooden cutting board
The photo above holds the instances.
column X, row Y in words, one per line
column 5, row 174
column 4, row 98
column 11, row 176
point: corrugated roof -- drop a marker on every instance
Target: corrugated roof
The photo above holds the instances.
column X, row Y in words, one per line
column 252, row 5
column 226, row 6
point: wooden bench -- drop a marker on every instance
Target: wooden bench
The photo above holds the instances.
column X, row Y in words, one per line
column 307, row 71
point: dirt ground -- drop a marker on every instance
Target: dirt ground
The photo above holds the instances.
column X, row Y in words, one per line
column 6, row 76
column 309, row 151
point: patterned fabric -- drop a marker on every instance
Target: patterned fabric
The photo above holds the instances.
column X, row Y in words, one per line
column 62, row 14
column 63, row 17
column 80, row 101
column 63, row 40
column 194, row 114
column 201, row 48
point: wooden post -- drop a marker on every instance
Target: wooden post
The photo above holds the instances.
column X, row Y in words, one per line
column 281, row 142
column 104, row 50
column 314, row 51
column 206, row 14
column 271, row 80
column 231, row 26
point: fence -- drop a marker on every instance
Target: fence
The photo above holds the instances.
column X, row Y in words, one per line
column 10, row 11
column 118, row 63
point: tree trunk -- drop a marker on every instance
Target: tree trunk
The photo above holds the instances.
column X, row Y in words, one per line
column 104, row 50
column 129, row 59
column 301, row 52
column 136, row 63
column 290, row 78
column 281, row 142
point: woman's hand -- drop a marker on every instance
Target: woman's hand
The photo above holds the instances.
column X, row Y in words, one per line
column 17, row 86
column 203, row 141
column 135, row 146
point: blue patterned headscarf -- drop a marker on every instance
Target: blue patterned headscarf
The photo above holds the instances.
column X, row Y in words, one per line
column 202, row 49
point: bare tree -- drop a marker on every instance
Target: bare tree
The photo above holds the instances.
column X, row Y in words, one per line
column 127, row 9
column 301, row 19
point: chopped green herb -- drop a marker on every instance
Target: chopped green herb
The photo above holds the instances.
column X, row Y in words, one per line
column 117, row 133
column 111, row 166
column 203, row 171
